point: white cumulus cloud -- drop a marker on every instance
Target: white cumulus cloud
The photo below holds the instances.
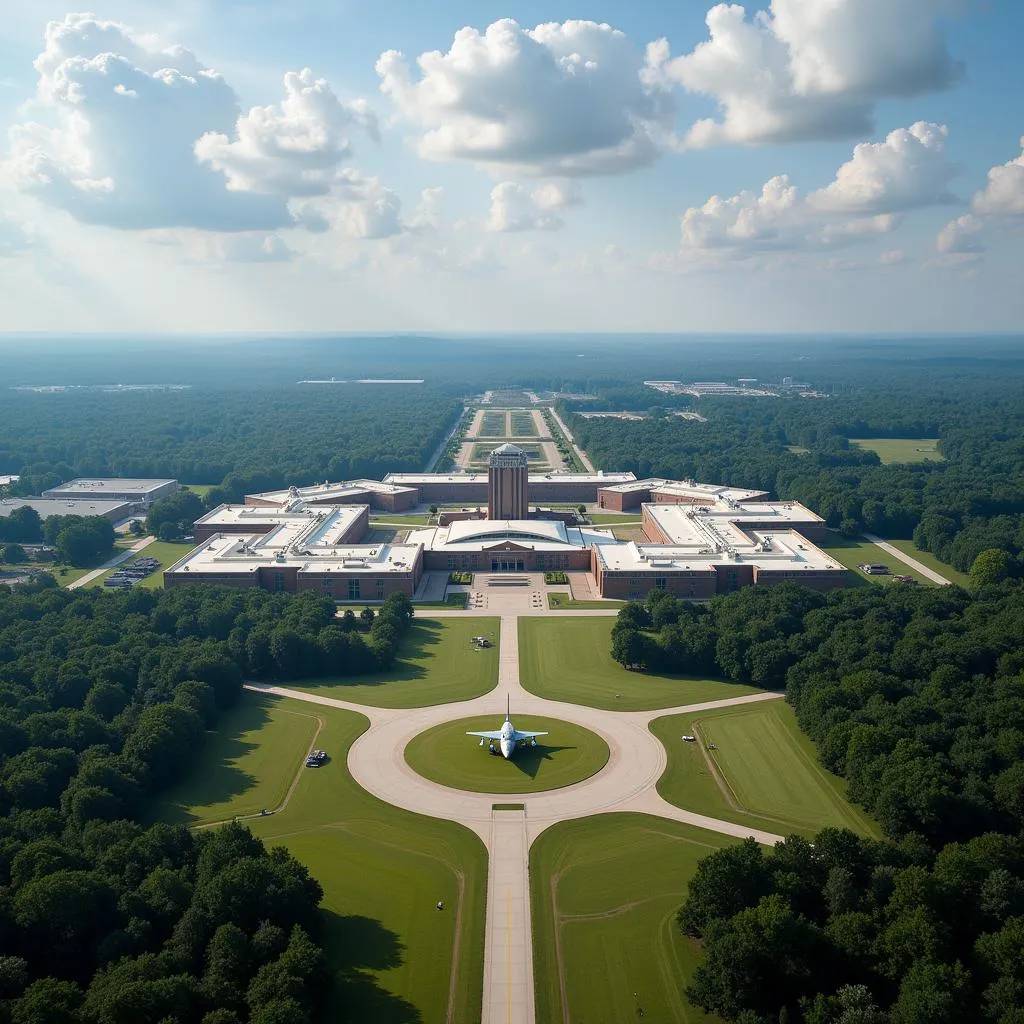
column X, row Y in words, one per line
column 517, row 208
column 961, row 236
column 564, row 99
column 1004, row 193
column 865, row 200
column 809, row 69
column 909, row 169
column 135, row 136
column 294, row 149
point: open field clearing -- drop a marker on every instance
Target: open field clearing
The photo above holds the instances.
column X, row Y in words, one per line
column 901, row 449
column 437, row 662
column 570, row 659
column 853, row 553
column 168, row 552
column 523, row 424
column 764, row 773
column 568, row 754
column 927, row 558
column 604, row 894
column 395, row 958
column 247, row 764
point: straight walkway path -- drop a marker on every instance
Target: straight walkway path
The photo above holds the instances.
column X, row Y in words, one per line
column 584, row 458
column 906, row 559
column 508, row 949
column 115, row 561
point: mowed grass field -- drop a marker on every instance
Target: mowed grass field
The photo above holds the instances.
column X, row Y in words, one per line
column 437, row 663
column 927, row 558
column 853, row 553
column 570, row 659
column 395, row 958
column 604, row 893
column 764, row 773
column 901, row 449
column 166, row 551
column 248, row 763
column 568, row 754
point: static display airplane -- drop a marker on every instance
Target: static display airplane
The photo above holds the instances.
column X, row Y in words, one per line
column 508, row 736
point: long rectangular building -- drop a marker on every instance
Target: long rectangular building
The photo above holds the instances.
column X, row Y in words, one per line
column 297, row 549
column 133, row 490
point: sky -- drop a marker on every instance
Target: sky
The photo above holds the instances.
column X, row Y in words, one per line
column 821, row 166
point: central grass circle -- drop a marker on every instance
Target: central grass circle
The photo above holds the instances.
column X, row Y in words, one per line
column 446, row 755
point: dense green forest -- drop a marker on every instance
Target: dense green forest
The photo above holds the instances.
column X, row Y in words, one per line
column 916, row 697
column 103, row 698
column 247, row 440
column 957, row 508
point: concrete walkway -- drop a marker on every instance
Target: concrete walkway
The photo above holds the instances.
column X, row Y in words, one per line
column 115, row 561
column 584, row 458
column 906, row 559
column 628, row 782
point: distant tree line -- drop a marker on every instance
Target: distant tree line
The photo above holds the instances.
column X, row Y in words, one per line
column 916, row 697
column 243, row 440
column 956, row 509
column 104, row 698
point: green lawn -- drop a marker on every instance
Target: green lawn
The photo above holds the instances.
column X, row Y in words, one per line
column 168, row 552
column 852, row 553
column 568, row 754
column 437, row 663
column 614, row 518
column 604, row 893
column 201, row 489
column 764, row 773
column 565, row 601
column 568, row 659
column 901, row 449
column 927, row 558
column 382, row 871
column 493, row 424
column 398, row 520
column 247, row 764
column 523, row 425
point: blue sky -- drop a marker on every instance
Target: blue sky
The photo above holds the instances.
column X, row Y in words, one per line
column 800, row 165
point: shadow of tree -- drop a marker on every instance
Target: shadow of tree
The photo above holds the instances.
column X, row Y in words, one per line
column 213, row 779
column 356, row 946
column 415, row 646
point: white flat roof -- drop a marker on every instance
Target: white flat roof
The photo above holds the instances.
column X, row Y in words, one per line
column 98, row 485
column 538, row 534
column 309, row 525
column 327, row 490
column 687, row 488
column 776, row 552
column 239, row 554
column 723, row 521
column 418, row 479
column 47, row 507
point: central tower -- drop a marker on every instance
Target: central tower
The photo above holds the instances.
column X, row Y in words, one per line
column 507, row 476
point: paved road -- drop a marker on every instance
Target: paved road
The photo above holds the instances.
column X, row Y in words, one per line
column 906, row 559
column 116, row 560
column 627, row 783
column 584, row 458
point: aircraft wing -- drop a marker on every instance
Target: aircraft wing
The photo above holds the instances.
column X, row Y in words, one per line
column 527, row 735
column 496, row 735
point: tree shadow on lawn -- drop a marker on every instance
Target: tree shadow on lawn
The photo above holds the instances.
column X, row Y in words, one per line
column 529, row 759
column 355, row 946
column 210, row 780
column 416, row 644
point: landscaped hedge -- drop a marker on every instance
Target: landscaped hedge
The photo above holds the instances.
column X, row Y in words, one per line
column 460, row 579
column 555, row 577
